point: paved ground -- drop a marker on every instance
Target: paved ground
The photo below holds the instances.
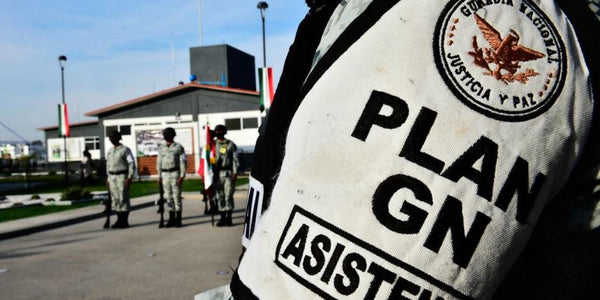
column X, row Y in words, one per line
column 84, row 261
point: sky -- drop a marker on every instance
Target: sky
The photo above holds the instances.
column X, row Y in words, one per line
column 118, row 50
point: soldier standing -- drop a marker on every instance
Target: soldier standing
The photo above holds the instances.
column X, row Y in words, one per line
column 227, row 167
column 171, row 164
column 120, row 168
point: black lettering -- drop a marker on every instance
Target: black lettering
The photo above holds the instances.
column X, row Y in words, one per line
column 529, row 15
column 426, row 295
column 318, row 243
column 451, row 219
column 351, row 263
column 380, row 274
column 371, row 114
column 460, row 70
column 517, row 182
column 463, row 166
column 467, row 75
column 550, row 53
column 403, row 285
column 335, row 257
column 476, row 87
column 296, row 246
column 415, row 140
column 465, row 10
column 486, row 95
column 531, row 99
column 455, row 60
column 502, row 98
column 516, row 101
column 383, row 195
column 522, row 8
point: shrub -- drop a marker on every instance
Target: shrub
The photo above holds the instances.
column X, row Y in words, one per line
column 75, row 193
column 35, row 197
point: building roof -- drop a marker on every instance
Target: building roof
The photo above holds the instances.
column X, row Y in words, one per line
column 70, row 125
column 162, row 93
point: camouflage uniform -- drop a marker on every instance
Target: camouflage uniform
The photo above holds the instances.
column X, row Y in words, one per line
column 120, row 166
column 171, row 164
column 227, row 164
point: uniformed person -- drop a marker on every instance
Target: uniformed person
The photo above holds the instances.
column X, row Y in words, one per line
column 171, row 164
column 120, row 168
column 227, row 167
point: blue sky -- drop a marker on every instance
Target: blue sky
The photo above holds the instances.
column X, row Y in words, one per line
column 118, row 50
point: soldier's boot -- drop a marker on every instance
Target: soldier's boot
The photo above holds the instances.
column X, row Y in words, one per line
column 171, row 221
column 223, row 219
column 119, row 222
column 125, row 223
column 228, row 219
column 178, row 220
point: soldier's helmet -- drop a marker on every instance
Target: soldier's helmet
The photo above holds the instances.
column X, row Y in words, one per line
column 169, row 133
column 221, row 128
column 115, row 134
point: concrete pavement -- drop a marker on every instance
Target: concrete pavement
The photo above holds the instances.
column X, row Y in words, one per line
column 68, row 255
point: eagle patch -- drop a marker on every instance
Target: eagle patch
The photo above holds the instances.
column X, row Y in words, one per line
column 501, row 58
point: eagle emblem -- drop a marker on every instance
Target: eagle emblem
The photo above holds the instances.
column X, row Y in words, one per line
column 502, row 59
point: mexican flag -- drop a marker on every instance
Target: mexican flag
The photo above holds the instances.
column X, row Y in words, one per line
column 208, row 159
column 265, row 79
column 63, row 121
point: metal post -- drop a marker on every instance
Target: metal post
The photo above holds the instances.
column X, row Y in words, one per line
column 262, row 6
column 264, row 47
column 62, row 59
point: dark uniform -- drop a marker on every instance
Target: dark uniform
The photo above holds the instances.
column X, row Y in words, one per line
column 227, row 168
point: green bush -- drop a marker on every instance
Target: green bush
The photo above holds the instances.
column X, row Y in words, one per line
column 35, row 197
column 75, row 193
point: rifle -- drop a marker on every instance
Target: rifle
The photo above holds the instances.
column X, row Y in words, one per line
column 206, row 211
column 161, row 206
column 207, row 198
column 107, row 210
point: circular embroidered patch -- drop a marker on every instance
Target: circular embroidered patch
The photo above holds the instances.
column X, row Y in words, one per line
column 502, row 58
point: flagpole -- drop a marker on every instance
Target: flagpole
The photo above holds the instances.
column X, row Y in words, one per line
column 62, row 60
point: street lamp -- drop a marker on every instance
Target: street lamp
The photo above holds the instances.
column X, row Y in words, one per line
column 262, row 6
column 62, row 60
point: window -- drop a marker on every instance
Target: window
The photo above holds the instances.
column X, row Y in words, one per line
column 250, row 123
column 110, row 129
column 233, row 124
column 92, row 143
column 125, row 129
